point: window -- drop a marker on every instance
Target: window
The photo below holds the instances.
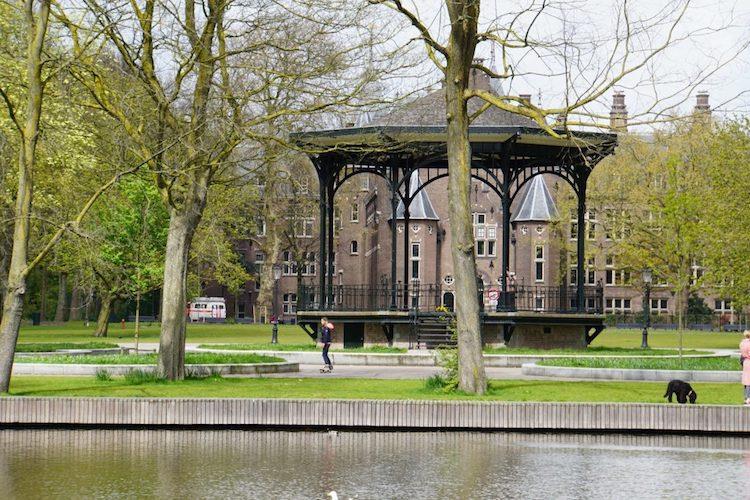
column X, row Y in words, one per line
column 354, row 214
column 484, row 235
column 289, row 303
column 415, row 259
column 354, row 247
column 365, row 186
column 591, row 224
column 722, row 306
column 260, row 226
column 539, row 263
column 539, row 303
column 303, row 228
column 336, row 219
column 481, row 248
column 591, row 271
column 617, row 305
column 288, row 265
column 304, row 185
column 697, row 271
column 573, row 276
column 573, row 230
column 659, row 305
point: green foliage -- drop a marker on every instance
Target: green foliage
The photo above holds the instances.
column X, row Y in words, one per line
column 590, row 351
column 322, row 388
column 721, row 364
column 203, row 358
column 140, row 377
column 697, row 306
column 103, row 375
column 447, row 356
column 56, row 346
column 435, row 382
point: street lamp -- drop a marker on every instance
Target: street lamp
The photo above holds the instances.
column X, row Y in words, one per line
column 275, row 322
column 646, row 276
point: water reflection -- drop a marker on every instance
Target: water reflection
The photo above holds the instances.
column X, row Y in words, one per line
column 236, row 464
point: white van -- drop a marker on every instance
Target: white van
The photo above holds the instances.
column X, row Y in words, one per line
column 207, row 308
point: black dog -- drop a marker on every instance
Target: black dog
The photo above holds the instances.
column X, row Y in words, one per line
column 683, row 390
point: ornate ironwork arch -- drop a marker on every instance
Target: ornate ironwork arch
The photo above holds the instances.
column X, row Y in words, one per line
column 349, row 170
column 522, row 176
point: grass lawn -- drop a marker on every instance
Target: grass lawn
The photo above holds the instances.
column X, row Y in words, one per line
column 293, row 334
column 723, row 364
column 301, row 347
column 54, row 346
column 692, row 339
column 594, row 351
column 196, row 333
column 207, row 358
column 321, row 388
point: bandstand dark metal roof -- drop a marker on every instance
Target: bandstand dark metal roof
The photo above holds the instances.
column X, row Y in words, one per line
column 508, row 151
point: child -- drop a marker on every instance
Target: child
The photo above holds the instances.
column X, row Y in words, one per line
column 326, row 337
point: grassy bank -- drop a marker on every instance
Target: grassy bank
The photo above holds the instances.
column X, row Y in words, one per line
column 301, row 347
column 207, row 358
column 692, row 339
column 294, row 335
column 196, row 333
column 722, row 364
column 593, row 351
column 56, row 346
column 500, row 390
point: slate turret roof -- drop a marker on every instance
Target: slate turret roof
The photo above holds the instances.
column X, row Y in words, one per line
column 421, row 207
column 537, row 204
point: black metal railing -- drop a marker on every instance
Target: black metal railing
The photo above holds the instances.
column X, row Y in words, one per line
column 429, row 297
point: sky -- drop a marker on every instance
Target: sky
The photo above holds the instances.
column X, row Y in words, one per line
column 709, row 51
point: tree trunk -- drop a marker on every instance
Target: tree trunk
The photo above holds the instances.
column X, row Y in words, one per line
column 36, row 26
column 75, row 302
column 472, row 377
column 62, row 296
column 43, row 297
column 182, row 225
column 102, row 322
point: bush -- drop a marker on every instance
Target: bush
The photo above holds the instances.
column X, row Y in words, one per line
column 137, row 377
column 103, row 375
column 435, row 382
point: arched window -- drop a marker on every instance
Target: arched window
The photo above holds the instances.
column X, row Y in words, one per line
column 354, row 247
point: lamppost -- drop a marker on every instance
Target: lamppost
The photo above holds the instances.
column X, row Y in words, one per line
column 646, row 306
column 275, row 329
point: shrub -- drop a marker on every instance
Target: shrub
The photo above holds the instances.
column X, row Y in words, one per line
column 103, row 375
column 137, row 377
column 434, row 383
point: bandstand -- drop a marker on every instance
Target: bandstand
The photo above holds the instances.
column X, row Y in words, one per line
column 508, row 151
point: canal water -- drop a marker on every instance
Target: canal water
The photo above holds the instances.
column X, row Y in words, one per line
column 238, row 464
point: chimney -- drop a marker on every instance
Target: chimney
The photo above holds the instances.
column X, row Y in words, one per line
column 618, row 115
column 701, row 103
column 525, row 97
column 478, row 79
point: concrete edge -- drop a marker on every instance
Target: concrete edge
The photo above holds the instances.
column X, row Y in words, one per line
column 630, row 374
column 88, row 412
column 220, row 369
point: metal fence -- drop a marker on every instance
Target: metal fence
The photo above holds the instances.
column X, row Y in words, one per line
column 429, row 297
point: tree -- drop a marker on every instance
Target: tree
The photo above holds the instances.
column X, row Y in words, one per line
column 726, row 216
column 122, row 251
column 224, row 58
column 36, row 19
column 586, row 66
column 652, row 192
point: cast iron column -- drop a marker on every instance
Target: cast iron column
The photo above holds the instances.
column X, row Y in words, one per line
column 329, row 267
column 322, row 236
column 503, row 303
column 581, row 241
column 407, row 252
column 394, row 207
